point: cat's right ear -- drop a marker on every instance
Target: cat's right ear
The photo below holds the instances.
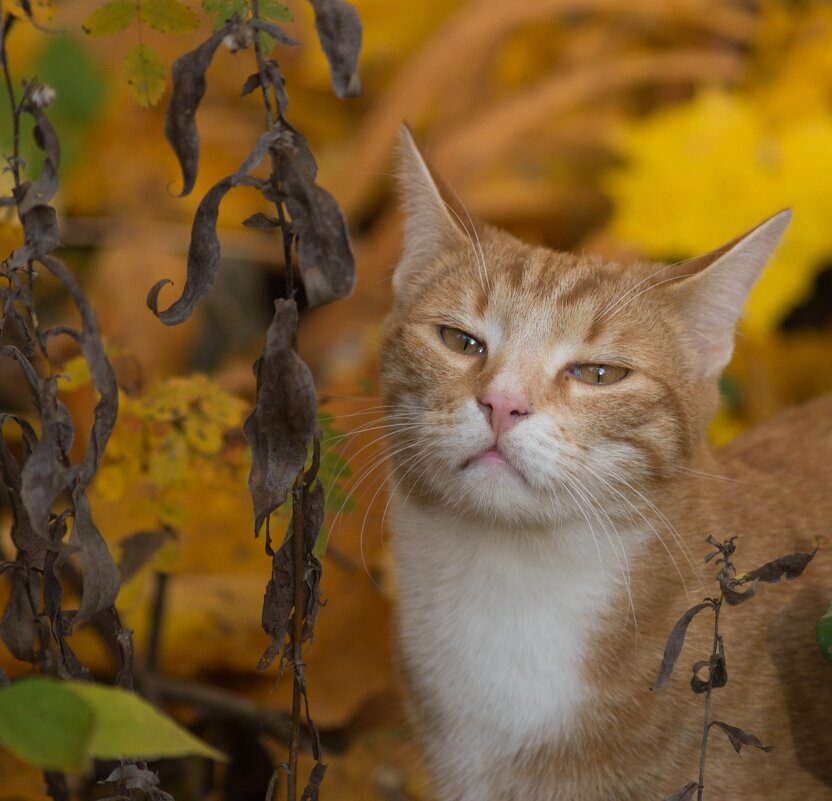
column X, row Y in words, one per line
column 431, row 227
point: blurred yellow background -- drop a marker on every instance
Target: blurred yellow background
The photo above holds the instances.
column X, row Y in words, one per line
column 628, row 128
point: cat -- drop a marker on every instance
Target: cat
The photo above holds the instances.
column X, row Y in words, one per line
column 551, row 493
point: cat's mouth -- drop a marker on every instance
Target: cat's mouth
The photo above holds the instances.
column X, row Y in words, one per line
column 493, row 458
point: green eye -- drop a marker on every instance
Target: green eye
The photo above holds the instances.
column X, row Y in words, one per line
column 598, row 373
column 460, row 342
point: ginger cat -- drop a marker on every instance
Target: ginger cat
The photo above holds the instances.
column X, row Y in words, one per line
column 552, row 489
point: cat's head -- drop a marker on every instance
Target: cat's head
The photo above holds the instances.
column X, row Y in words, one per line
column 526, row 385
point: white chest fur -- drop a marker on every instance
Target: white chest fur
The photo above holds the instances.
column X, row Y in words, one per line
column 494, row 628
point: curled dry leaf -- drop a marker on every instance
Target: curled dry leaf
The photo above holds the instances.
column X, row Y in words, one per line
column 683, row 793
column 275, row 31
column 739, row 738
column 324, row 251
column 717, row 672
column 274, row 77
column 138, row 549
column 313, row 788
column 727, row 584
column 788, row 567
column 188, row 76
column 675, row 642
column 339, row 31
column 101, row 580
column 18, row 626
column 283, row 422
column 204, row 250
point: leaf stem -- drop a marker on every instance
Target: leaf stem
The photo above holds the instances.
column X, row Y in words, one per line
column 707, row 711
column 297, row 632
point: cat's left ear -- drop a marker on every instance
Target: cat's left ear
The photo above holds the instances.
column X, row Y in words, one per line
column 711, row 290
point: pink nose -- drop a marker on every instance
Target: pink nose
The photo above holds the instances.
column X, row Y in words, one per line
column 503, row 410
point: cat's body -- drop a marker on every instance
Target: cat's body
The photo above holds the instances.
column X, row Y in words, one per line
column 549, row 532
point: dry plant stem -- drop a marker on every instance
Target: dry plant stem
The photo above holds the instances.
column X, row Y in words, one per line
column 707, row 714
column 7, row 23
column 297, row 633
column 154, row 641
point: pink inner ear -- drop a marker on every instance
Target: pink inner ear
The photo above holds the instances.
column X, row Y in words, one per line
column 712, row 298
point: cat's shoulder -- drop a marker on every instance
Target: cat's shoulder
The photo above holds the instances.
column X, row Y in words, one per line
column 797, row 437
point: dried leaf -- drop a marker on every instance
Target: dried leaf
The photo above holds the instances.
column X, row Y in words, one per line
column 734, row 597
column 188, row 78
column 275, row 31
column 339, row 31
column 314, row 510
column 717, row 672
column 18, row 626
column 324, row 251
column 138, row 549
column 261, row 222
column 144, row 72
column 683, row 793
column 675, row 642
column 168, row 16
column 273, row 77
column 111, row 18
column 789, row 567
column 101, row 580
column 132, row 777
column 283, row 421
column 312, row 790
column 278, row 602
column 739, row 738
column 204, row 250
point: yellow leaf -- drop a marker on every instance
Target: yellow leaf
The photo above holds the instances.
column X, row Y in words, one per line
column 145, row 74
column 168, row 16
column 203, row 435
column 169, row 459
column 74, row 374
column 111, row 18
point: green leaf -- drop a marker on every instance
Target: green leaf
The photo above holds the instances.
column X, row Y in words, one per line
column 111, row 18
column 128, row 727
column 266, row 42
column 824, row 633
column 145, row 74
column 225, row 10
column 272, row 9
column 339, row 499
column 44, row 724
column 59, row 725
column 168, row 16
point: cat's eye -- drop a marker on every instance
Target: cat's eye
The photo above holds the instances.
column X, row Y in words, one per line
column 460, row 342
column 598, row 373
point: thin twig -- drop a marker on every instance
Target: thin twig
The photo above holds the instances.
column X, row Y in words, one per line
column 297, row 633
column 154, row 640
column 707, row 713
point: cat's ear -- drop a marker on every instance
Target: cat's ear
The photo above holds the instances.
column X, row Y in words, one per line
column 711, row 290
column 431, row 224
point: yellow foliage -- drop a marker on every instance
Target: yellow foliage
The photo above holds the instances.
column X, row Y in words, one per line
column 699, row 174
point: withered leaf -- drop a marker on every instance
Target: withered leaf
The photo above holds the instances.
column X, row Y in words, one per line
column 283, row 421
column 314, row 510
column 734, row 597
column 204, row 250
column 324, row 251
column 101, row 582
column 275, row 31
column 18, row 626
column 101, row 371
column 675, row 642
column 788, row 567
column 313, row 788
column 739, row 738
column 46, row 473
column 274, row 77
column 339, row 31
column 132, row 777
column 278, row 602
column 683, row 793
column 262, row 222
column 717, row 672
column 138, row 549
column 188, row 76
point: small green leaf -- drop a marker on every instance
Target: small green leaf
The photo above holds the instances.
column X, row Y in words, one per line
column 225, row 10
column 272, row 9
column 145, row 74
column 112, row 17
column 266, row 42
column 168, row 16
column 128, row 727
column 60, row 725
column 45, row 725
column 824, row 633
